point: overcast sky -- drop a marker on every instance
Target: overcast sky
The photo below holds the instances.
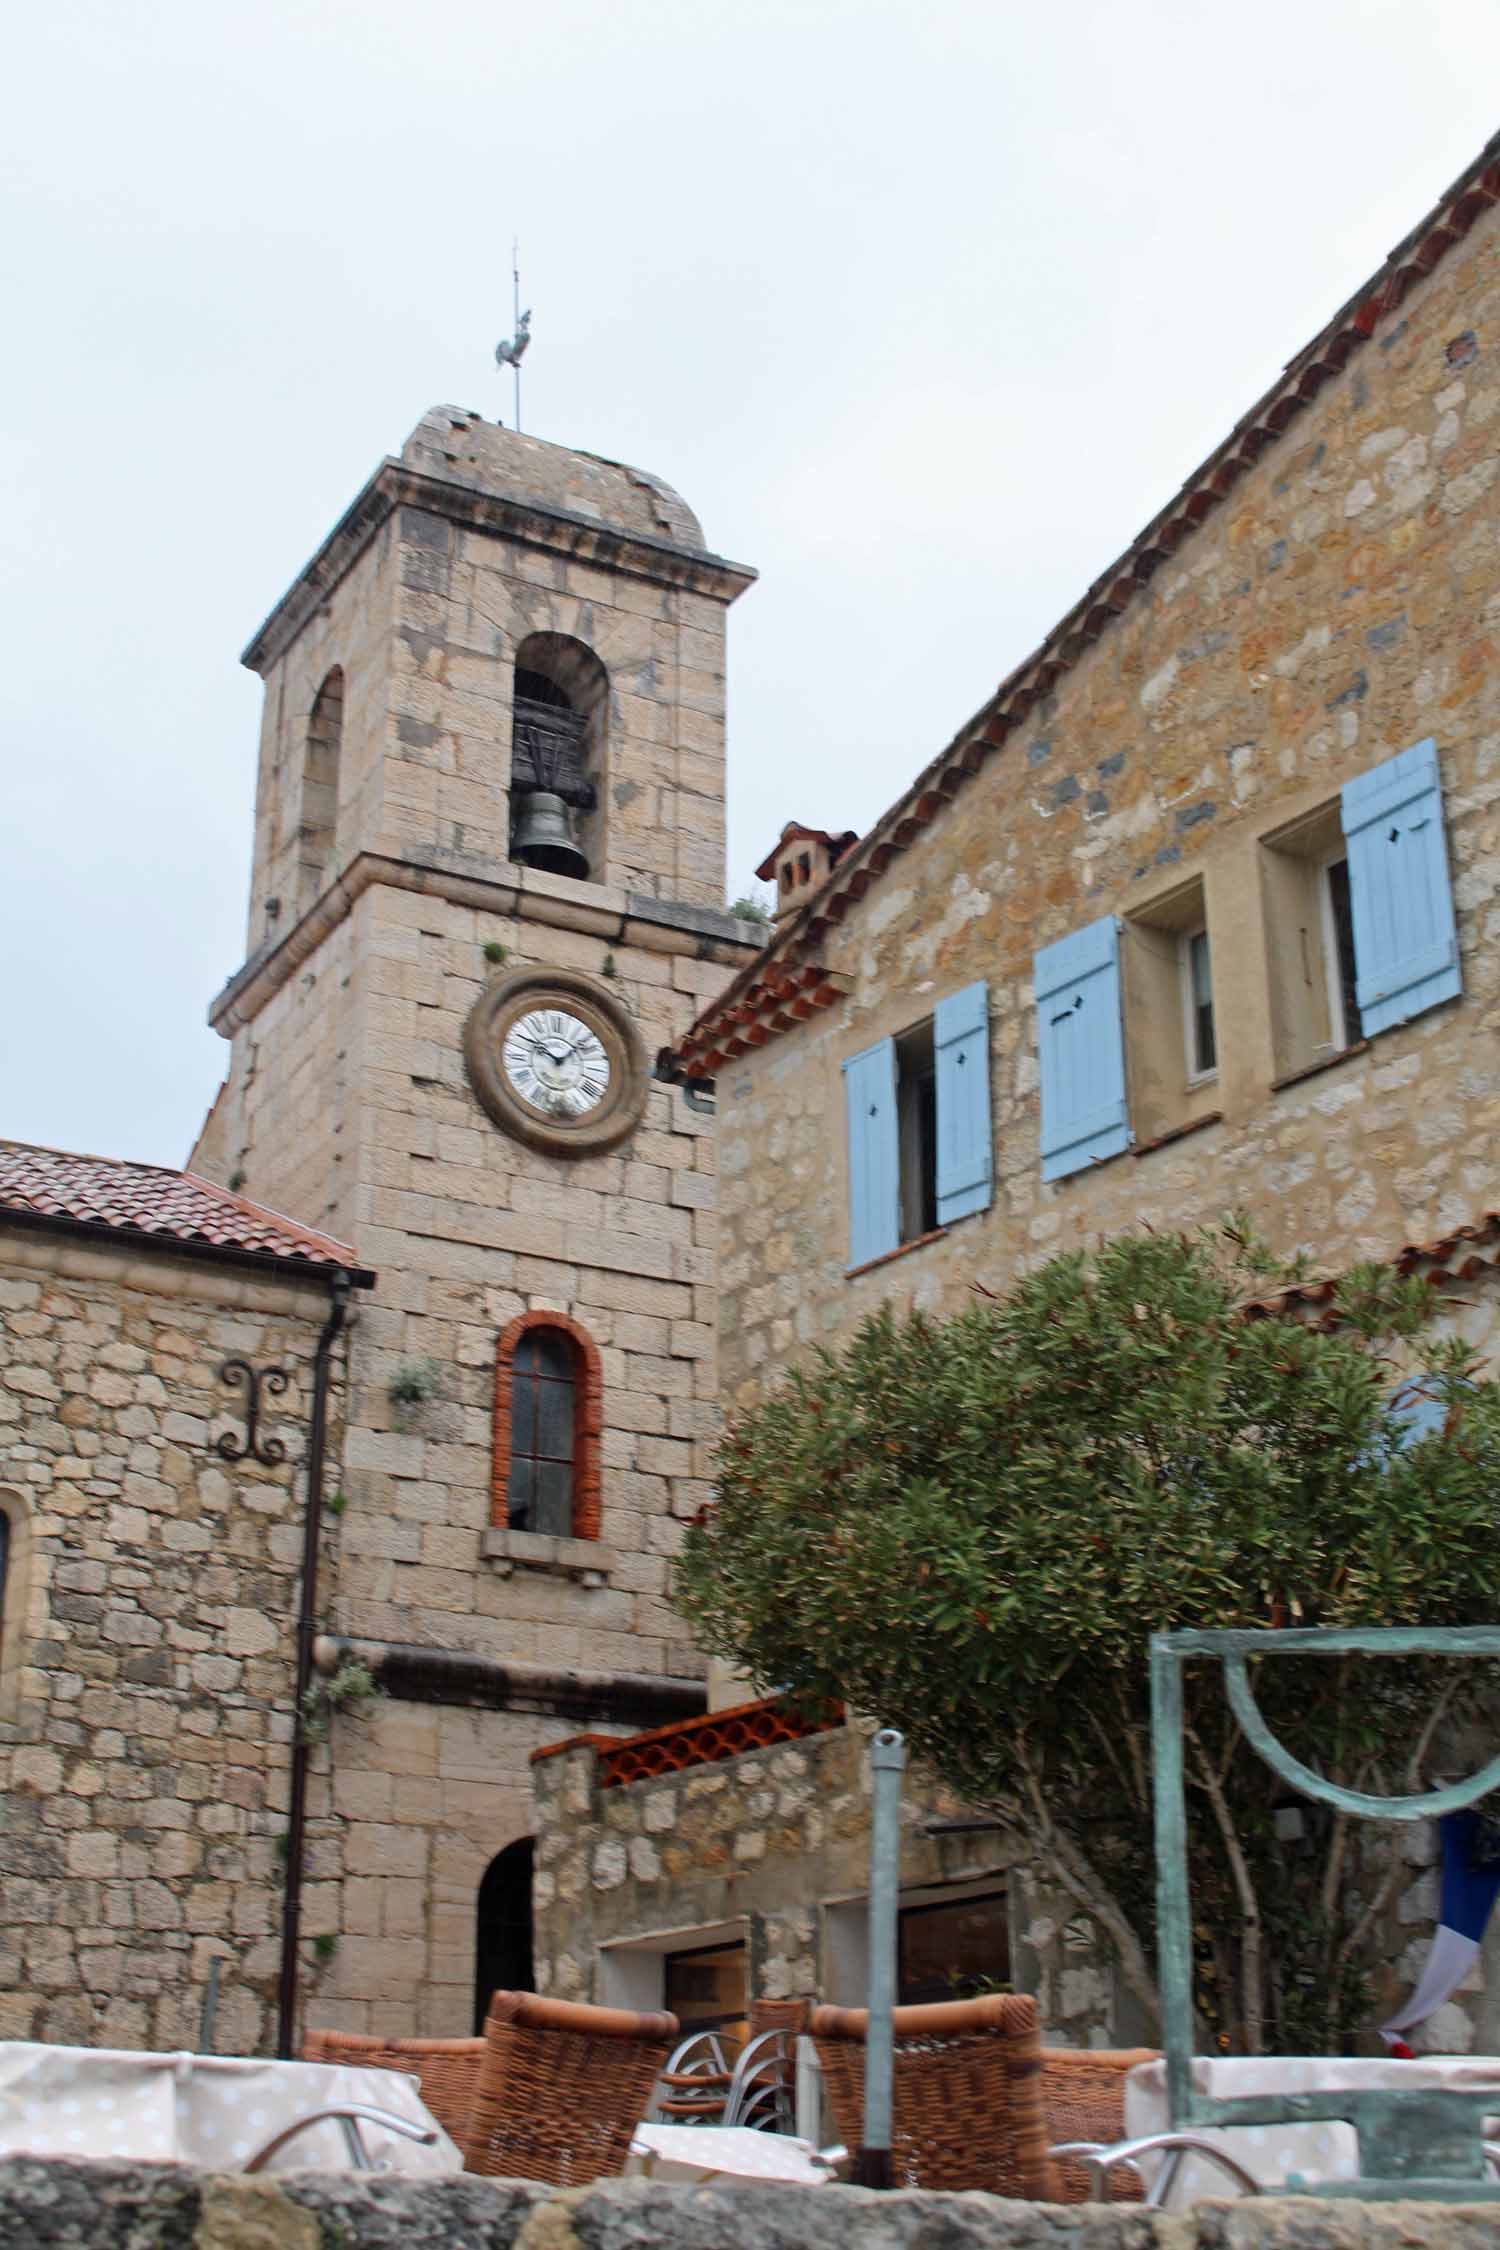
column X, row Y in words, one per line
column 925, row 310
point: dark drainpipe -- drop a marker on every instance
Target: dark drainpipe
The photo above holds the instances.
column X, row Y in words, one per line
column 312, row 1528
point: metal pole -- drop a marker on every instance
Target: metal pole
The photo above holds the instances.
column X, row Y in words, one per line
column 307, row 1626
column 515, row 276
column 872, row 2162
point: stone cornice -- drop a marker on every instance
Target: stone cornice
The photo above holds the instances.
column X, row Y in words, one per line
column 418, row 1674
column 523, row 523
column 495, row 887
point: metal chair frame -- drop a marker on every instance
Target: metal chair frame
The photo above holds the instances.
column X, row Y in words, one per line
column 348, row 2116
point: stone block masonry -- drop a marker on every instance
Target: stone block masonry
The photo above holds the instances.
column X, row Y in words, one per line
column 1336, row 608
column 146, row 1652
column 115, row 2206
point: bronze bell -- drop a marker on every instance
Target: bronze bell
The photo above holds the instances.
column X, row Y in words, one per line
column 544, row 835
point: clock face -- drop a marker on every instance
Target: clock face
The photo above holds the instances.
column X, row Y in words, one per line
column 556, row 1062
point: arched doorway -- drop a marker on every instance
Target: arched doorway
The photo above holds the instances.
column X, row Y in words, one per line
column 502, row 1951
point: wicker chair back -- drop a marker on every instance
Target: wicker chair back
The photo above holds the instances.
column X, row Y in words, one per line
column 446, row 2070
column 1083, row 2094
column 562, row 2088
column 967, row 2093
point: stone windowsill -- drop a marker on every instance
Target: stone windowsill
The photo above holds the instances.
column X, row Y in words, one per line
column 582, row 1559
column 902, row 1250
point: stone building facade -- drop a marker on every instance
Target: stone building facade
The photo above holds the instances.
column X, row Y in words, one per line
column 748, row 1831
column 1198, row 913
column 490, row 811
column 149, row 1564
column 1179, row 762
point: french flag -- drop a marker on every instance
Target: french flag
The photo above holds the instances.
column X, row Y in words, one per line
column 1471, row 1878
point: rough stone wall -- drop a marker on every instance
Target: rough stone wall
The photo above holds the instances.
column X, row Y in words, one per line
column 1338, row 607
column 147, row 1670
column 119, row 2206
column 778, row 1841
column 426, row 627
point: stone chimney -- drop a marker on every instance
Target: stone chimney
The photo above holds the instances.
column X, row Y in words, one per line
column 801, row 862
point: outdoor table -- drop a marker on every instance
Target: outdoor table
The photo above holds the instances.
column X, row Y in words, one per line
column 212, row 2110
column 1325, row 2150
column 724, row 2152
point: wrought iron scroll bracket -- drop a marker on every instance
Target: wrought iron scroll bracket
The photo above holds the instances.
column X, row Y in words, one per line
column 256, row 1383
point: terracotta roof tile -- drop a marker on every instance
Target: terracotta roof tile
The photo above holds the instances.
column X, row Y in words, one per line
column 111, row 1194
column 1455, row 1256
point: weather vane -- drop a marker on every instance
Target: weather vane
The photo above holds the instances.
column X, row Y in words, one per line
column 511, row 352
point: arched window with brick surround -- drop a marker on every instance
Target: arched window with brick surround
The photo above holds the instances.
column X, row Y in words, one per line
column 549, row 1391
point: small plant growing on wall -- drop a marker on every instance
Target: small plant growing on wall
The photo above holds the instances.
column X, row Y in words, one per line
column 494, row 952
column 352, row 1690
column 413, row 1386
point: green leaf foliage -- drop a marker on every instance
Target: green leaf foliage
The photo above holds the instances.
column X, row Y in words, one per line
column 970, row 1527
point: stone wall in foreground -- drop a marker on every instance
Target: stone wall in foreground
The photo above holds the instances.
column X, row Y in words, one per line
column 69, row 2206
column 146, row 1644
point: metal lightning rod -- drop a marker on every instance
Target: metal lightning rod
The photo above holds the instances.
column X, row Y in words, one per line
column 515, row 279
column 510, row 353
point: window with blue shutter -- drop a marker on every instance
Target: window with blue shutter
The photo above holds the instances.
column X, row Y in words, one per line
column 874, row 1154
column 961, row 1050
column 1081, row 1045
column 1405, row 942
column 1416, row 1413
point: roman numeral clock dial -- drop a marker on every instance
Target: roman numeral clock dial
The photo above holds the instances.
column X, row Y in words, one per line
column 556, row 1063
column 556, row 1060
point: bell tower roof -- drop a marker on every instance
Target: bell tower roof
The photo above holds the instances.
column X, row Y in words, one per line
column 461, row 447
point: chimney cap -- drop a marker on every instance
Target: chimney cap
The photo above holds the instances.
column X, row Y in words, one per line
column 834, row 843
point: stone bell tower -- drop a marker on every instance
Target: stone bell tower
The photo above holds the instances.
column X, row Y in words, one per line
column 488, row 888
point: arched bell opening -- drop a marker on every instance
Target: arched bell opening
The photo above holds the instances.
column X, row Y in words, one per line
column 560, row 706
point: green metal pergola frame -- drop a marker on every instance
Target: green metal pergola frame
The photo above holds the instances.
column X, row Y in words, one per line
column 1424, row 2144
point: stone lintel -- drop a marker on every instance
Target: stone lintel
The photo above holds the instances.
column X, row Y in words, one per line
column 494, row 886
column 413, row 1674
column 522, row 523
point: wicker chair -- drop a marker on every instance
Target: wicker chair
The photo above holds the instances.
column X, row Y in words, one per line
column 1083, row 2094
column 562, row 2088
column 446, row 2070
column 967, row 2094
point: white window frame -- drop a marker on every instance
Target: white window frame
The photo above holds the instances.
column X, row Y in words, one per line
column 1195, row 1076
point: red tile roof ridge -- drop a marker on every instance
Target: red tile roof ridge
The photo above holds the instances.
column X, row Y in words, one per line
column 1318, row 1289
column 157, row 1203
column 1351, row 327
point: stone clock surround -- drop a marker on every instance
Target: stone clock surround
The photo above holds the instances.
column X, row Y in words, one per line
column 504, row 999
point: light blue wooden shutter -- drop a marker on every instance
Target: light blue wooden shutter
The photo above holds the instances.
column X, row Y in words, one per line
column 874, row 1158
column 1414, row 1415
column 1082, row 1050
column 961, row 1050
column 1405, row 944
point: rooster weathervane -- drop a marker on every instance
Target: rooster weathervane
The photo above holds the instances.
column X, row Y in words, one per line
column 511, row 352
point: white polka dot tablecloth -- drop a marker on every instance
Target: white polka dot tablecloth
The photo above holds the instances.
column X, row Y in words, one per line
column 724, row 2152
column 1327, row 2150
column 212, row 2110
